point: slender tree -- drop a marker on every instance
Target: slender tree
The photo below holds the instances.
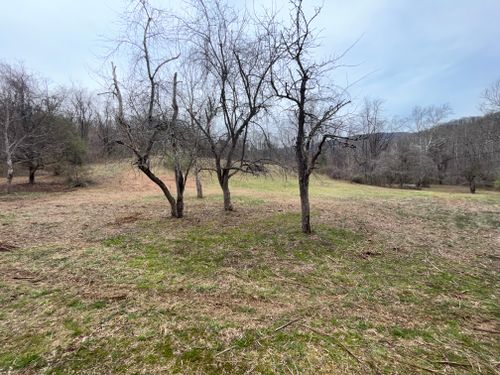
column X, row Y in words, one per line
column 371, row 124
column 237, row 55
column 425, row 120
column 145, row 118
column 300, row 81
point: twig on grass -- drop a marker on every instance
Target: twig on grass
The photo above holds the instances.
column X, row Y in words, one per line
column 421, row 368
column 455, row 364
column 224, row 351
column 287, row 324
column 487, row 330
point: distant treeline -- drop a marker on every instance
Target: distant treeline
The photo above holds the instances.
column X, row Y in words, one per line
column 64, row 130
column 464, row 151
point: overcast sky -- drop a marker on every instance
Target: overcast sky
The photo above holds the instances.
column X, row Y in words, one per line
column 409, row 52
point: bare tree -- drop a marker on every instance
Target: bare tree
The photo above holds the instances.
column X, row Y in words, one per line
column 314, row 106
column 237, row 56
column 198, row 102
column 144, row 116
column 105, row 126
column 371, row 126
column 82, row 110
column 37, row 124
column 491, row 98
column 475, row 147
column 11, row 138
column 24, row 111
column 470, row 155
column 424, row 121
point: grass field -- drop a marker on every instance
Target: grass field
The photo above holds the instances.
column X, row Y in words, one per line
column 101, row 280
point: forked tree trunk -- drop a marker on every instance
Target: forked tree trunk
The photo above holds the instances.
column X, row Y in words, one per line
column 173, row 203
column 199, row 186
column 305, row 207
column 472, row 185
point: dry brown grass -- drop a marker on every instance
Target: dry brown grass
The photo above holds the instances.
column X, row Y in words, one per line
column 102, row 280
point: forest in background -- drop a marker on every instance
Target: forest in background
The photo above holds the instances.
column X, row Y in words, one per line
column 62, row 131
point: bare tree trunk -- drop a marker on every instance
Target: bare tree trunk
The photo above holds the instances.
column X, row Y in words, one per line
column 164, row 188
column 472, row 185
column 32, row 171
column 180, row 205
column 224, row 184
column 199, row 186
column 305, row 207
column 180, row 186
column 10, row 172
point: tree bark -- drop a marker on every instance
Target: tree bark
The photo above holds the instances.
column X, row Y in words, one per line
column 472, row 185
column 180, row 205
column 164, row 188
column 224, row 184
column 180, row 186
column 304, row 203
column 199, row 186
column 10, row 172
column 32, row 171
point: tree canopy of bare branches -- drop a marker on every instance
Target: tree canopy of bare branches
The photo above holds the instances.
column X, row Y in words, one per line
column 147, row 110
column 300, row 81
column 236, row 54
column 491, row 98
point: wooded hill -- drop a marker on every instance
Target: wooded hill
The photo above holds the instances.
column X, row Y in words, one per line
column 463, row 151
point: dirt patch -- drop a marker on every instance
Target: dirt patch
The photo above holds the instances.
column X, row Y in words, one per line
column 127, row 219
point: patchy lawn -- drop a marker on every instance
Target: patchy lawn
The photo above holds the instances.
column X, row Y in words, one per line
column 101, row 281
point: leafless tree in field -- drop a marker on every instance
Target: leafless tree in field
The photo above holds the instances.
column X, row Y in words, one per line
column 300, row 81
column 371, row 125
column 147, row 112
column 476, row 150
column 11, row 138
column 82, row 110
column 24, row 110
column 424, row 121
column 470, row 158
column 491, row 98
column 237, row 55
column 199, row 104
column 36, row 151
column 105, row 126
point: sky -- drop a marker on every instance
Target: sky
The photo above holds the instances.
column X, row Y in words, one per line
column 406, row 52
